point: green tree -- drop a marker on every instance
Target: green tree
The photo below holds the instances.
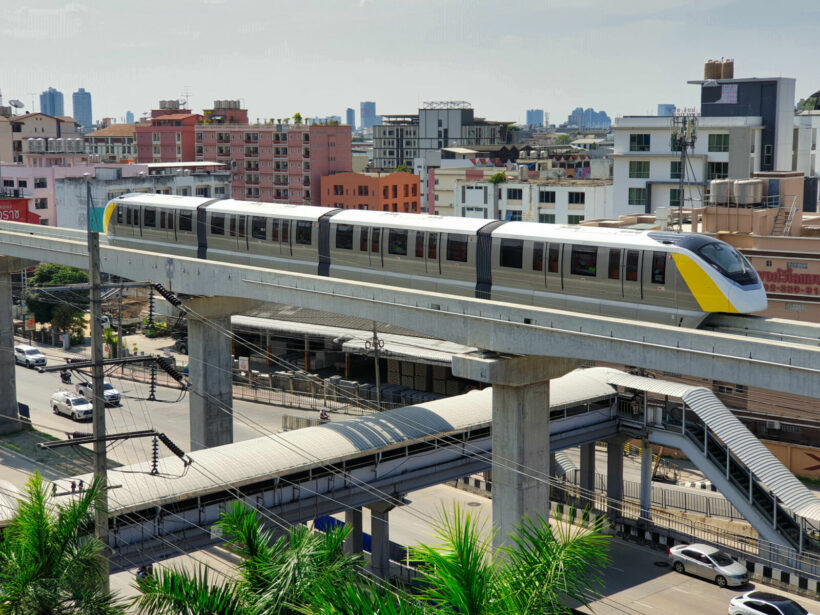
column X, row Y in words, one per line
column 50, row 563
column 402, row 168
column 42, row 303
column 275, row 576
column 563, row 140
column 297, row 118
column 498, row 178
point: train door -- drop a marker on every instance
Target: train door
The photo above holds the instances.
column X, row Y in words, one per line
column 554, row 270
column 658, row 280
column 376, row 258
column 432, row 261
column 631, row 289
column 286, row 242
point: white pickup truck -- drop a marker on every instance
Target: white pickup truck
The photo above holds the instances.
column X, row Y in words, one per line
column 110, row 394
column 69, row 404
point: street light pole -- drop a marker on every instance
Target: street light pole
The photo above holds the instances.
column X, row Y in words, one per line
column 97, row 399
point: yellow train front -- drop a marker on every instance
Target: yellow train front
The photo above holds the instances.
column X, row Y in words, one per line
column 669, row 278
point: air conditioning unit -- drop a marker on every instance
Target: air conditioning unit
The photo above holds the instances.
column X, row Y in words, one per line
column 772, row 424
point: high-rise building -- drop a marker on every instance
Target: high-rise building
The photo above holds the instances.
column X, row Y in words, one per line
column 535, row 117
column 129, row 117
column 350, row 117
column 81, row 101
column 51, row 103
column 367, row 115
column 589, row 119
column 665, row 110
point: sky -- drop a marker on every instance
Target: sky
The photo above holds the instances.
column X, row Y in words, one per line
column 318, row 57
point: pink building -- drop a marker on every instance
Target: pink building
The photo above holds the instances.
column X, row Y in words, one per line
column 277, row 162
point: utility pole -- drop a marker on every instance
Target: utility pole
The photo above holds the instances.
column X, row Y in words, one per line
column 684, row 134
column 376, row 344
column 100, row 461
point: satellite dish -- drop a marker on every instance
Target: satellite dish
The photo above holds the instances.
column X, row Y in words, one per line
column 16, row 104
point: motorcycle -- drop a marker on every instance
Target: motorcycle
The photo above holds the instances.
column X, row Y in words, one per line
column 65, row 376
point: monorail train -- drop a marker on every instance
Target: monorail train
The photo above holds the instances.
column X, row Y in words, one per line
column 669, row 278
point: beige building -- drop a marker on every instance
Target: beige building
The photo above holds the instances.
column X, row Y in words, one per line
column 114, row 143
column 40, row 140
column 442, row 184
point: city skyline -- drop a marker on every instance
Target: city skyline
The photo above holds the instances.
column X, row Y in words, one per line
column 440, row 54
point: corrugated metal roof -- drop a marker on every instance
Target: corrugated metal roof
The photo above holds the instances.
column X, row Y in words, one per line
column 743, row 444
column 251, row 461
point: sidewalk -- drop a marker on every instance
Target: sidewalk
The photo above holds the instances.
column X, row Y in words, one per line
column 144, row 344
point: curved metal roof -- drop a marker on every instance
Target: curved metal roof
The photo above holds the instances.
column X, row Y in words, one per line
column 726, row 426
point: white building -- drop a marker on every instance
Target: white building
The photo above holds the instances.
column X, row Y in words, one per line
column 553, row 201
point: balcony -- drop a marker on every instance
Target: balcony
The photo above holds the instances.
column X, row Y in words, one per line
column 280, row 182
column 223, row 139
column 252, row 180
column 306, row 152
column 251, row 152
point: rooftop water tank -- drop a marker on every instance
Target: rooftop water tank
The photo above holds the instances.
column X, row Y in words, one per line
column 712, row 69
column 720, row 191
column 727, row 69
column 748, row 191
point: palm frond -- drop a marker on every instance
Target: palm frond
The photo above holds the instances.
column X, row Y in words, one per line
column 175, row 591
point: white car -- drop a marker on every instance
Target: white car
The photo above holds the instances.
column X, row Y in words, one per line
column 110, row 394
column 29, row 356
column 708, row 562
column 69, row 404
column 755, row 603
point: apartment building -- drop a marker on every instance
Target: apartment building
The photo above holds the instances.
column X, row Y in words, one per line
column 401, row 138
column 397, row 192
column 114, row 143
column 277, row 162
column 168, row 136
column 37, row 139
column 551, row 201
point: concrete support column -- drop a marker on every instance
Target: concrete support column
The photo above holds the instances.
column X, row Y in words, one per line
column 646, row 479
column 614, row 476
column 210, row 369
column 587, row 482
column 353, row 543
column 520, row 431
column 8, row 400
column 380, row 539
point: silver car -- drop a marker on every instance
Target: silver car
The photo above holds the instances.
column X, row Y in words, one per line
column 708, row 562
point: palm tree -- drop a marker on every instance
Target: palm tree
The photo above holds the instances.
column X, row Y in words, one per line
column 49, row 560
column 275, row 575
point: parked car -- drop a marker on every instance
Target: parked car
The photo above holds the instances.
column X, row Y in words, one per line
column 69, row 404
column 708, row 562
column 110, row 394
column 755, row 603
column 181, row 345
column 29, row 356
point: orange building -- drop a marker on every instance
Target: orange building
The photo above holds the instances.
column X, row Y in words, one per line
column 373, row 191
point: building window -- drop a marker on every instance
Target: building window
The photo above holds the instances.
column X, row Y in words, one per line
column 717, row 170
column 40, row 203
column 8, row 183
column 512, row 253
column 546, row 218
column 674, row 169
column 584, row 260
column 514, row 194
column 22, row 183
column 793, row 265
column 546, row 196
column 577, row 198
column 40, row 182
column 639, row 143
column 639, row 169
column 575, row 219
column 637, row 196
column 674, row 197
column 718, row 143
column 513, row 216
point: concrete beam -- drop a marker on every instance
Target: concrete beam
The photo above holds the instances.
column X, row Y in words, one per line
column 520, row 433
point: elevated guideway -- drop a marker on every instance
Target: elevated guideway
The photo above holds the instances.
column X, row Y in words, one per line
column 792, row 331
column 305, row 474
column 504, row 328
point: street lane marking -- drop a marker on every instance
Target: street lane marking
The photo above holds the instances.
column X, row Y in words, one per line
column 678, row 589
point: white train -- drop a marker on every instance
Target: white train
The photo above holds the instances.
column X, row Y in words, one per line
column 670, row 278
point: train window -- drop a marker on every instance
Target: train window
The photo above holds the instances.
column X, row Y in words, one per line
column 538, row 257
column 304, row 232
column 584, row 260
column 286, row 231
column 232, row 226
column 457, row 248
column 162, row 216
column 659, row 267
column 614, row 264
column 374, row 240
column 217, row 224
column 419, row 244
column 274, row 230
column 119, row 215
column 344, row 236
column 553, row 257
column 512, row 253
column 128, row 215
column 397, row 242
column 632, row 258
column 241, row 226
column 258, row 227
column 186, row 221
column 149, row 217
column 363, row 239
column 432, row 246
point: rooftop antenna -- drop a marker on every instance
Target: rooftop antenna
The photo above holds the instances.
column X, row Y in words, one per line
column 185, row 96
column 14, row 103
column 684, row 135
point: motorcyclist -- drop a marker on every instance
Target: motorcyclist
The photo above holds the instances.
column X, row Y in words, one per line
column 323, row 415
column 65, row 376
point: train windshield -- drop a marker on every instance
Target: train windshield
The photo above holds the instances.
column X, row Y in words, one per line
column 729, row 262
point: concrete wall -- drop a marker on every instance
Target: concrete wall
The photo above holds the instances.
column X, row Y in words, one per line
column 800, row 460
